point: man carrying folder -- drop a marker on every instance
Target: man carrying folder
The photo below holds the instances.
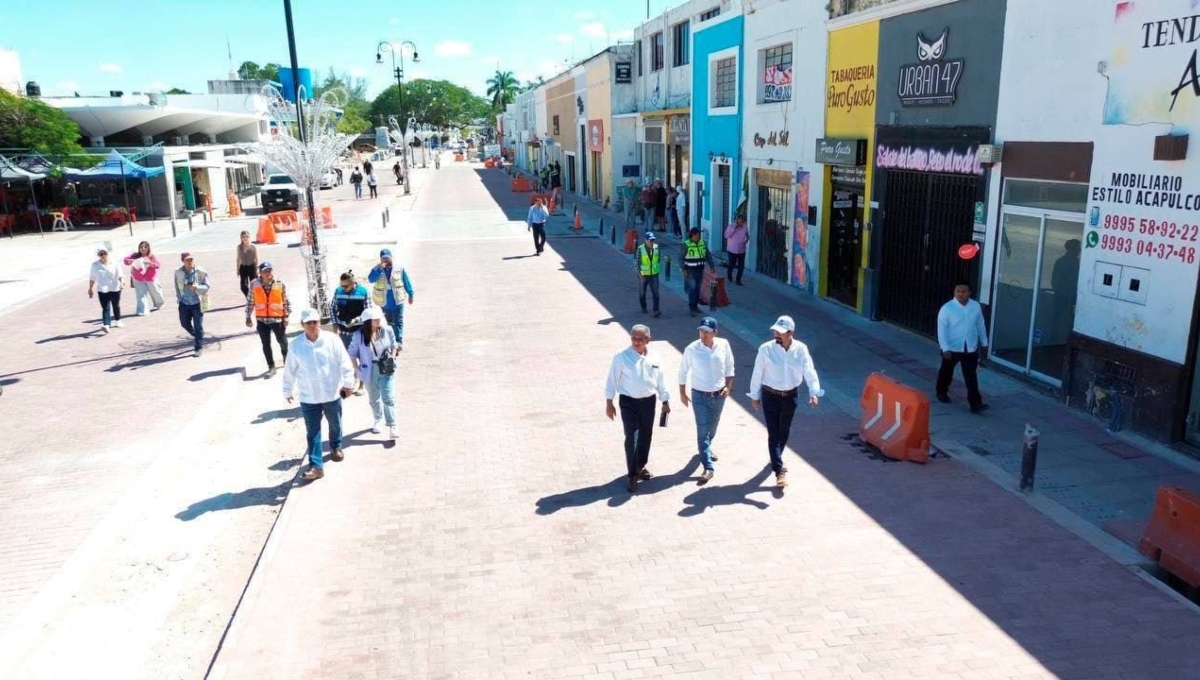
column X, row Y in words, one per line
column 636, row 377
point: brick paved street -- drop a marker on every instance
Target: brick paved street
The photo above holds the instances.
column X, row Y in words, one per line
column 496, row 538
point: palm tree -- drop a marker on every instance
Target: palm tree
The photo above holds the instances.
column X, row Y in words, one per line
column 502, row 88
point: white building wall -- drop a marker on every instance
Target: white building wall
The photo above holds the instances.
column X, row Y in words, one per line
column 773, row 23
column 10, row 72
column 1052, row 90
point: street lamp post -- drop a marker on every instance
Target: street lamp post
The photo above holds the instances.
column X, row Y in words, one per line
column 385, row 46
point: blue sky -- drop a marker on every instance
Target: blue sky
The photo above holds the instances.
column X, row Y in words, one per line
column 94, row 47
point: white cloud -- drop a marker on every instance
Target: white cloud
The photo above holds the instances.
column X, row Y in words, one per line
column 110, row 67
column 452, row 48
column 564, row 38
column 594, row 29
column 584, row 15
column 549, row 69
column 626, row 34
column 416, row 74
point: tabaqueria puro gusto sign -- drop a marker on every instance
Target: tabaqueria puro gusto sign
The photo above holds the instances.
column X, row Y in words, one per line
column 933, row 79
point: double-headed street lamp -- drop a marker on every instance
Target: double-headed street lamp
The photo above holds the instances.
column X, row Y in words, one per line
column 394, row 49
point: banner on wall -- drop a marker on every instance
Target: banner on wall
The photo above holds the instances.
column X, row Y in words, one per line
column 1153, row 72
column 777, row 84
column 1140, row 254
column 801, row 237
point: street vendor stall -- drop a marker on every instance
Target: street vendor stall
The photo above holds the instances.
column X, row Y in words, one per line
column 10, row 173
column 116, row 167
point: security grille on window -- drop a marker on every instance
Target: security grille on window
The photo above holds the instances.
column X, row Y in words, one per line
column 656, row 52
column 725, row 89
column 710, row 14
column 679, row 44
column 777, row 74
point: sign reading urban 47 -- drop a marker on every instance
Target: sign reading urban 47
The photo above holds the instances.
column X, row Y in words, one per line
column 933, row 80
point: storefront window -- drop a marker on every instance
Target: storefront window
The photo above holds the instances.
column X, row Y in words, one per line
column 654, row 160
column 1046, row 195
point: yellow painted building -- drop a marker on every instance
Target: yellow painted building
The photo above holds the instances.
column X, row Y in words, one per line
column 598, row 76
column 846, row 152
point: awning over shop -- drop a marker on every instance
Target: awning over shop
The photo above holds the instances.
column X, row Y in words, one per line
column 11, row 172
column 115, row 166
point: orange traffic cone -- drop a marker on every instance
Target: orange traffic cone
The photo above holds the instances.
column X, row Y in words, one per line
column 578, row 222
column 266, row 231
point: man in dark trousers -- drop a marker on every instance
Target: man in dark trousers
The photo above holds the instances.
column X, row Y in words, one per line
column 555, row 175
column 356, row 180
column 963, row 339
column 696, row 258
column 781, row 366
column 649, row 264
column 268, row 302
column 636, row 377
column 660, row 204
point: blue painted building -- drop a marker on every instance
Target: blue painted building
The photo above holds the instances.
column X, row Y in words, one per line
column 717, row 76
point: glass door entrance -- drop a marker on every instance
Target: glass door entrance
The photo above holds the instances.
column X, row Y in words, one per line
column 1033, row 303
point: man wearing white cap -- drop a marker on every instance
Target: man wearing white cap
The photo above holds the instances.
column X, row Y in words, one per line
column 636, row 375
column 320, row 371
column 649, row 264
column 709, row 361
column 781, row 366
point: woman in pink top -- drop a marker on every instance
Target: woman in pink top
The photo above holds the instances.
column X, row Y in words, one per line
column 144, row 268
column 736, row 236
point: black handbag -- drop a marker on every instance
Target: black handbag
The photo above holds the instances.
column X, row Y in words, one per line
column 386, row 363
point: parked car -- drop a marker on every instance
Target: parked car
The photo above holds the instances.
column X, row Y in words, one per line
column 331, row 179
column 280, row 193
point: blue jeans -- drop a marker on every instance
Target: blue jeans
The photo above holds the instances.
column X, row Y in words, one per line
column 395, row 319
column 692, row 278
column 381, row 391
column 650, row 282
column 358, row 189
column 332, row 410
column 191, row 317
column 708, row 416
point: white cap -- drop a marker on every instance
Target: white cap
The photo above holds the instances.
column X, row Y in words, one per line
column 784, row 324
column 309, row 314
column 371, row 313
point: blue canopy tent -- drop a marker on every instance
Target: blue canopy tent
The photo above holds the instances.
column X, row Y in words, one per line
column 117, row 167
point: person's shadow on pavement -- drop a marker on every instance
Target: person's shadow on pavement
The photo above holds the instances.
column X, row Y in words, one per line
column 615, row 491
column 735, row 494
column 266, row 496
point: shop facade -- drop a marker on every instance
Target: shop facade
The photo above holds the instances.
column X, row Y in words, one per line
column 938, row 80
column 784, row 45
column 716, row 124
column 1095, row 257
column 560, row 139
column 845, row 152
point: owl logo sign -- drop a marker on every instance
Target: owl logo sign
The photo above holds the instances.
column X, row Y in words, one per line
column 595, row 135
column 933, row 80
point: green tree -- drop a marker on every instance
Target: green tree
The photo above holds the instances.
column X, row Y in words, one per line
column 177, row 90
column 250, row 70
column 502, row 88
column 30, row 123
column 533, row 84
column 436, row 102
column 355, row 106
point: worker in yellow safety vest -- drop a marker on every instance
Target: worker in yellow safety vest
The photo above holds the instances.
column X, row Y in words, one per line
column 696, row 258
column 268, row 301
column 649, row 264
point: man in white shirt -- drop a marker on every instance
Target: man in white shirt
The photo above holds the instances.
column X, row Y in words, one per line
column 709, row 361
column 781, row 366
column 963, row 339
column 636, row 375
column 681, row 208
column 536, row 220
column 108, row 279
column 320, row 370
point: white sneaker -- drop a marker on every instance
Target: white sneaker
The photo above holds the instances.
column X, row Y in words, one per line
column 141, row 314
column 118, row 324
column 378, row 427
column 392, row 433
column 104, row 329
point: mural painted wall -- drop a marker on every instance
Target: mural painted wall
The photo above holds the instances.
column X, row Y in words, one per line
column 1141, row 254
column 850, row 101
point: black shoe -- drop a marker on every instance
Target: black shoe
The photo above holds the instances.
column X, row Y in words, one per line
column 645, row 311
column 632, row 485
column 980, row 409
column 645, row 474
column 944, row 398
column 692, row 312
column 657, row 314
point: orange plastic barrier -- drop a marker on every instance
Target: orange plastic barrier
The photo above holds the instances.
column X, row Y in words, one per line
column 630, row 240
column 710, row 277
column 521, row 184
column 895, row 419
column 1173, row 536
column 266, row 232
column 327, row 218
column 285, row 220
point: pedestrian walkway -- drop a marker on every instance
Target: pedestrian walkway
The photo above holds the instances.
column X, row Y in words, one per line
column 496, row 538
column 1105, row 480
